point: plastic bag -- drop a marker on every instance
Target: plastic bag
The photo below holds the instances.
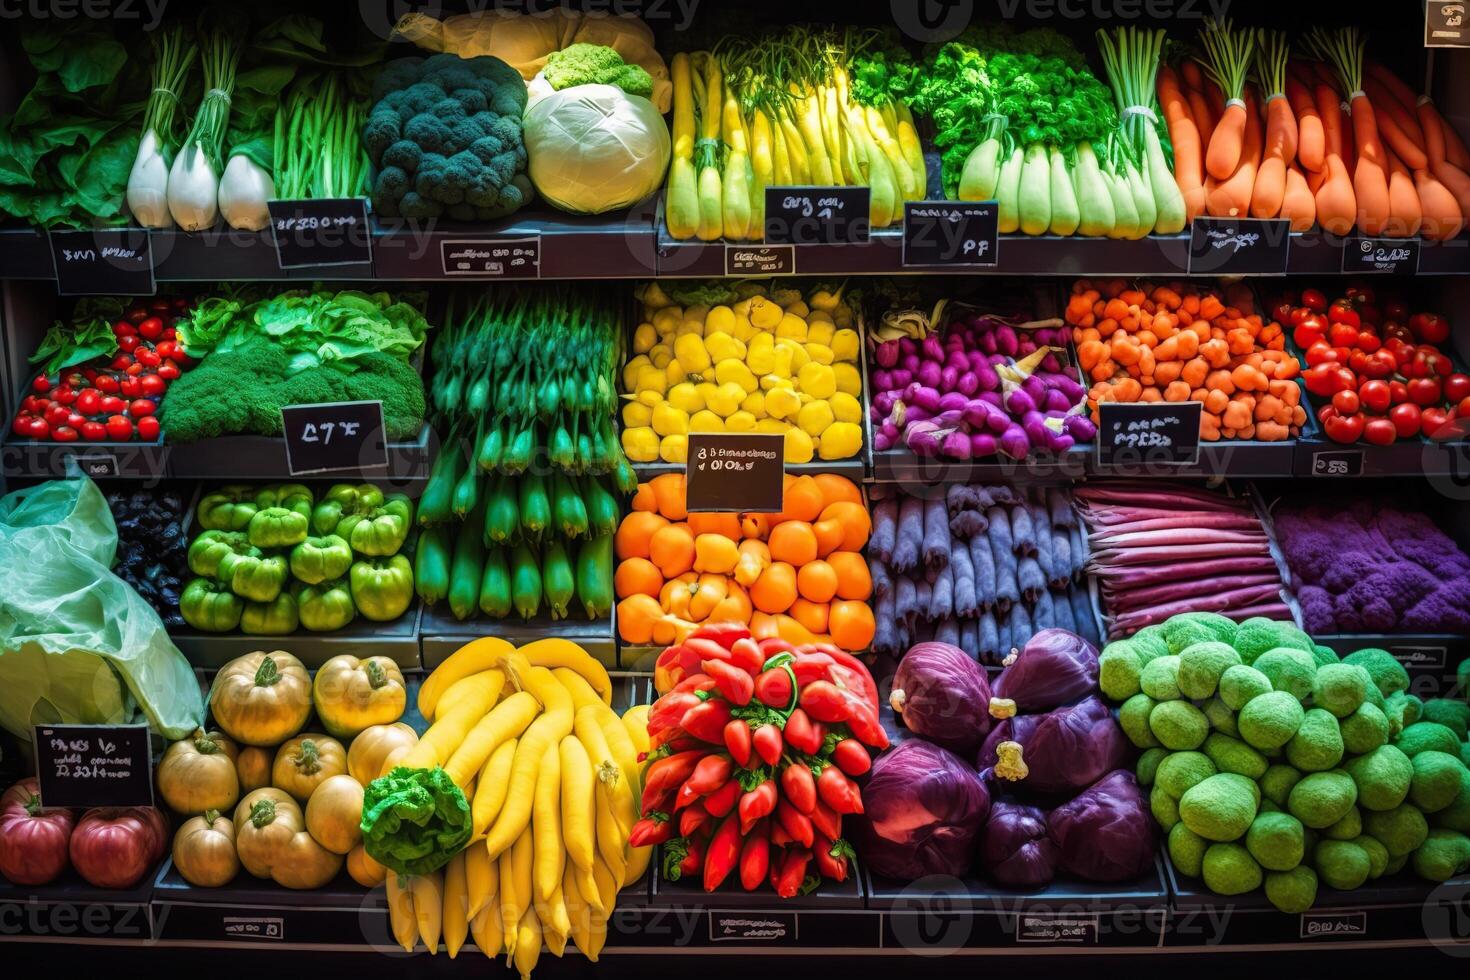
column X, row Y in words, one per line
column 1106, row 832
column 77, row 644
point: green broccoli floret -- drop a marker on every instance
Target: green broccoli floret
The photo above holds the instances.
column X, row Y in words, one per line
column 595, row 64
column 383, row 128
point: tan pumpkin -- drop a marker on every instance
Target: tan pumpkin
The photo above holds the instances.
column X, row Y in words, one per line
column 198, row 773
column 371, row 752
column 351, row 694
column 272, row 841
column 364, row 870
column 334, row 814
column 253, row 767
column 204, row 850
column 305, row 762
column 261, row 698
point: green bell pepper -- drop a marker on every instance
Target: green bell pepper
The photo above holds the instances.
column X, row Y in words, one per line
column 212, row 547
column 341, row 500
column 324, row 606
column 381, row 531
column 277, row 527
column 318, row 559
column 210, row 606
column 254, row 574
column 382, row 588
column 229, row 508
column 272, row 618
column 292, row 496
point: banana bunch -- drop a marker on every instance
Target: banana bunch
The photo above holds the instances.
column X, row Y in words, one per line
column 552, row 777
column 913, row 324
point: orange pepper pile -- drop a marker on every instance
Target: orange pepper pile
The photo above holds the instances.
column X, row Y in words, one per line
column 1178, row 342
column 799, row 575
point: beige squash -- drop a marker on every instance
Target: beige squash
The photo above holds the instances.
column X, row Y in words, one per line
column 334, row 814
column 374, row 749
column 204, row 850
column 198, row 773
column 305, row 762
column 272, row 841
column 261, row 698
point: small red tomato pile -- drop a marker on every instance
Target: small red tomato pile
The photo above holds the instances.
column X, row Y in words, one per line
column 1379, row 367
column 114, row 398
column 755, row 745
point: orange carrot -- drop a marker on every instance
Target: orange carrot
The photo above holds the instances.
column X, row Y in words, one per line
column 1228, row 54
column 1199, row 104
column 1227, row 143
column 1393, row 126
column 1184, row 135
column 1297, row 205
column 1454, row 147
column 1309, row 141
column 1405, row 213
column 1336, row 205
column 1443, row 217
column 1279, row 147
column 1232, row 198
column 1370, row 179
column 1392, row 83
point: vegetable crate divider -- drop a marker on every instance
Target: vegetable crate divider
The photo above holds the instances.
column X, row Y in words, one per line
column 398, row 640
column 971, row 913
column 440, row 634
column 41, row 458
column 1399, row 908
column 251, row 910
column 71, row 909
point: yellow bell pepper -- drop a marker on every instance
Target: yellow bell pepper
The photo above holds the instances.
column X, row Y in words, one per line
column 763, row 313
column 685, row 396
column 640, row 444
column 782, row 403
column 849, row 379
column 741, row 421
column 721, row 319
column 820, row 332
column 735, row 372
column 841, row 440
column 845, row 345
column 726, row 400
column 707, row 390
column 651, row 397
column 755, row 403
column 753, row 559
column 694, row 317
column 776, row 426
column 760, row 354
column 799, row 448
column 784, row 354
column 715, row 553
column 692, row 353
column 706, row 421
column 644, row 337
column 797, row 307
column 636, row 414
column 674, row 372
column 846, row 408
column 661, row 355
column 820, row 353
column 674, row 449
column 742, row 307
column 669, row 421
column 631, row 369
column 667, row 320
column 817, row 380
column 815, row 417
column 744, row 329
column 791, row 326
column 651, row 378
column 723, row 347
column 827, row 299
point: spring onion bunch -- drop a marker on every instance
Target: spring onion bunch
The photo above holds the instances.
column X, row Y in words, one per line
column 147, row 193
column 193, row 180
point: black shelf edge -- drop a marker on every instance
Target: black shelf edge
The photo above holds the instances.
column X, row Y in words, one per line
column 397, row 640
column 71, row 910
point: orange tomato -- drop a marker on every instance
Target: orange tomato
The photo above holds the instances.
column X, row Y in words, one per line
column 635, row 534
column 853, row 578
column 851, row 624
column 794, row 542
column 672, row 549
column 817, row 582
column 775, row 590
column 637, row 576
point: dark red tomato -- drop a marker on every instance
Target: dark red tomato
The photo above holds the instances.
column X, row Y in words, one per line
column 1406, row 419
column 1439, row 425
column 147, row 357
column 168, row 371
column 1310, row 329
column 111, row 405
column 128, row 344
column 1429, row 328
column 33, row 405
column 1395, row 310
column 94, row 431
column 64, row 433
column 1341, row 428
column 89, row 402
column 1360, row 294
column 134, row 369
column 41, row 384
column 1397, row 391
column 1425, row 391
column 107, row 383
column 150, row 328
column 21, row 426
column 120, row 428
column 1456, row 387
column 148, row 428
column 137, row 314
column 1380, row 432
column 1341, row 313
column 123, row 328
column 75, row 420
column 141, row 407
column 64, row 394
column 165, row 348
column 56, row 414
column 39, row 429
column 1346, row 402
column 1367, row 341
column 130, row 387
column 152, row 385
column 1464, row 408
column 1314, row 300
column 160, row 306
column 121, row 362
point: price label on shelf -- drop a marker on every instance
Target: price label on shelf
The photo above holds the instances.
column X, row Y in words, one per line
column 1148, row 433
column 951, row 233
column 1381, row 256
column 1338, row 462
column 1447, row 24
column 329, row 231
column 1239, row 246
column 753, row 927
column 817, row 215
column 760, row 260
column 492, row 258
column 334, row 436
column 105, row 262
column 93, row 765
column 730, row 471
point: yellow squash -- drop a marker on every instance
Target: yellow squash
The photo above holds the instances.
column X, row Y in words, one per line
column 204, row 850
column 305, row 762
column 272, row 841
column 198, row 773
column 334, row 813
column 351, row 694
column 261, row 698
column 374, row 751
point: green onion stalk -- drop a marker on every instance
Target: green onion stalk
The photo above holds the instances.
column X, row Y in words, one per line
column 193, row 180
column 318, row 144
column 147, row 193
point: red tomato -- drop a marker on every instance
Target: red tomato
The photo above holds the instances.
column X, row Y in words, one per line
column 1375, row 396
column 1406, row 420
column 94, row 431
column 1463, row 411
column 152, row 385
column 1341, row 428
column 123, row 328
column 33, row 841
column 1343, row 334
column 64, row 433
column 148, row 428
column 107, row 383
column 89, row 402
column 1344, row 314
column 1430, row 328
column 1308, row 330
column 168, row 371
column 56, row 414
column 1380, row 432
column 121, row 362
column 147, row 357
column 1314, row 300
column 64, row 395
column 113, row 847
column 1346, row 402
column 120, row 428
column 111, row 405
column 141, row 407
column 1456, row 387
column 150, row 328
column 1397, row 391
column 40, row 429
column 128, row 344
column 1440, row 426
column 1395, row 310
column 1425, row 391
column 130, row 387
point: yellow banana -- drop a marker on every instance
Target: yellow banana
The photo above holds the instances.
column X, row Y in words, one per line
column 546, row 825
column 488, row 933
column 564, row 653
column 489, row 796
column 480, row 878
column 428, row 907
column 506, row 720
column 528, row 944
column 456, row 903
column 547, row 731
column 400, row 911
column 475, row 656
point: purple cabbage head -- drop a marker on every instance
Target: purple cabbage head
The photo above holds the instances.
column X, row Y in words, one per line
column 1060, row 751
column 1015, row 849
column 924, row 807
column 1054, row 668
column 1105, row 833
column 942, row 694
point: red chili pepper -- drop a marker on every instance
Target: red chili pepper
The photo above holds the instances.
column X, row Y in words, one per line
column 802, row 734
column 826, row 820
column 759, row 802
column 668, row 710
column 733, row 683
column 773, row 688
column 710, row 774
column 766, row 740
column 695, row 684
column 724, row 851
column 746, row 654
column 664, row 777
column 723, row 800
column 773, row 645
column 798, row 786
column 795, row 823
column 866, row 727
column 839, row 792
column 737, row 741
column 697, row 650
column 810, row 665
column 706, row 721
column 856, row 668
column 650, row 830
column 822, row 701
column 779, row 837
column 755, row 857
column 685, row 797
column 791, row 873
column 692, row 819
column 725, row 634
column 831, row 857
column 684, row 856
column 851, row 757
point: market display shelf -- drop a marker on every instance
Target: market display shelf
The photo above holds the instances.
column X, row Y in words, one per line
column 853, row 469
column 1319, row 456
column 903, row 466
column 943, row 913
column 70, row 909
column 397, row 640
column 440, row 634
column 829, row 894
column 1400, row 908
column 250, row 457
column 1424, row 655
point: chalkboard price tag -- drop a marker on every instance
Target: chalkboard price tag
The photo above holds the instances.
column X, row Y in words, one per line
column 742, row 472
column 943, row 233
column 1381, row 256
column 334, row 436
column 1149, row 433
column 492, row 258
column 760, row 260
column 1446, row 24
column 817, row 215
column 94, row 765
column 105, row 262
column 1239, row 246
column 97, row 466
column 1338, row 462
column 753, row 927
column 329, row 231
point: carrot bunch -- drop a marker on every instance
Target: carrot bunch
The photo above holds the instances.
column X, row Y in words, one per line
column 1330, row 141
column 1177, row 342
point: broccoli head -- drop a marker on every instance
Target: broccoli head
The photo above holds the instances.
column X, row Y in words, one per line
column 383, row 128
column 595, row 64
